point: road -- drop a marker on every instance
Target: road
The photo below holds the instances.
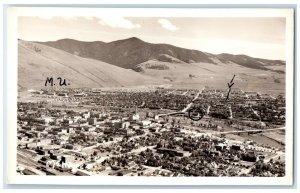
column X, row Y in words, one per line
column 184, row 93
column 183, row 111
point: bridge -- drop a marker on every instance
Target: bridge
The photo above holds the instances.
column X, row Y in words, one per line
column 250, row 131
column 173, row 113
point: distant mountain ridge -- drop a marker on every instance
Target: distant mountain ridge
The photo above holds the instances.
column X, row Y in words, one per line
column 249, row 62
column 128, row 53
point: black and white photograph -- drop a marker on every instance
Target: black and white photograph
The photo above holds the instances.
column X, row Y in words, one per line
column 145, row 94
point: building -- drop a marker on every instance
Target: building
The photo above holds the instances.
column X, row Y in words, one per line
column 125, row 125
column 135, row 117
column 92, row 121
column 146, row 123
column 62, row 94
column 80, row 95
column 221, row 147
column 43, row 142
column 86, row 115
column 249, row 156
column 170, row 151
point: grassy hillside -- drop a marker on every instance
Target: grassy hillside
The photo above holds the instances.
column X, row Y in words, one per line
column 36, row 62
column 197, row 75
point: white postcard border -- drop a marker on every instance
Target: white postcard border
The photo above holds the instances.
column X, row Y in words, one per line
column 12, row 63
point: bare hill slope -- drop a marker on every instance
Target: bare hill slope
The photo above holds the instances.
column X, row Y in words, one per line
column 36, row 62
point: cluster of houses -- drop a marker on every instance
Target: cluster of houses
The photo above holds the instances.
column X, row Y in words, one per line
column 109, row 135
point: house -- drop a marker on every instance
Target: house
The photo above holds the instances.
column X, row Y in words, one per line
column 135, row 117
column 125, row 125
column 43, row 142
column 86, row 115
column 220, row 147
column 146, row 123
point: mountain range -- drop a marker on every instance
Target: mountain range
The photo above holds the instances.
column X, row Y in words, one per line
column 128, row 53
column 133, row 62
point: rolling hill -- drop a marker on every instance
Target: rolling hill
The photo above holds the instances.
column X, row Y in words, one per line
column 197, row 75
column 250, row 62
column 36, row 62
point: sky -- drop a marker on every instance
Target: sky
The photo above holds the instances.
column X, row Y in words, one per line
column 256, row 37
